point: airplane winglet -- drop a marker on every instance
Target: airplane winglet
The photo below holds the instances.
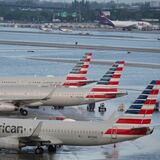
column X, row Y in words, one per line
column 37, row 130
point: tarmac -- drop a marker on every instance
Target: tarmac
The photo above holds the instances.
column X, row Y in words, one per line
column 78, row 46
column 97, row 62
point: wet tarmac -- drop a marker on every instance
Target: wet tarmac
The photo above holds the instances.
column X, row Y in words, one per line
column 79, row 46
column 12, row 62
column 97, row 62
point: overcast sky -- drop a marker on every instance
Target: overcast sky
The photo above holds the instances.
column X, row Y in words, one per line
column 119, row 1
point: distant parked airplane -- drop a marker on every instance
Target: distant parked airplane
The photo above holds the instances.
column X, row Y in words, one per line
column 133, row 124
column 18, row 97
column 76, row 78
column 125, row 25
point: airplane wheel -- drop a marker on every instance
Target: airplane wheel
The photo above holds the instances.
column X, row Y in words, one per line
column 39, row 150
column 23, row 112
column 55, row 107
column 52, row 149
column 62, row 107
column 58, row 146
column 91, row 107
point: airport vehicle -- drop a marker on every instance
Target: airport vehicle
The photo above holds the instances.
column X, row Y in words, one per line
column 65, row 29
column 18, row 97
column 125, row 25
column 76, row 78
column 133, row 124
column 45, row 28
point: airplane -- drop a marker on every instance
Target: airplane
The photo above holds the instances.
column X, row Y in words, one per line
column 125, row 25
column 132, row 124
column 76, row 78
column 17, row 97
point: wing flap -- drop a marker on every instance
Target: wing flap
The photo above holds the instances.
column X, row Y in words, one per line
column 41, row 139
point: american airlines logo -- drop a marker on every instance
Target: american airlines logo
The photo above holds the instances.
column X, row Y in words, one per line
column 11, row 129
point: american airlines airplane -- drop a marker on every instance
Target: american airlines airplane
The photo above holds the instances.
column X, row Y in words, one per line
column 133, row 124
column 129, row 25
column 76, row 78
column 18, row 97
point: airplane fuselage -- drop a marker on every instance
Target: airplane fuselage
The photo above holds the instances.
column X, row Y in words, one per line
column 131, row 24
column 32, row 80
column 63, row 132
column 50, row 96
column 73, row 96
column 123, row 24
column 127, row 24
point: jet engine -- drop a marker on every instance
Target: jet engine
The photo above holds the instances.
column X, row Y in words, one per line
column 7, row 107
column 10, row 143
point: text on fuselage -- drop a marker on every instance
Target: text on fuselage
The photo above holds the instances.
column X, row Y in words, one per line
column 10, row 128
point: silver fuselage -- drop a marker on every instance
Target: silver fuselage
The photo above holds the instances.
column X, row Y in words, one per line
column 80, row 133
column 32, row 80
column 50, row 96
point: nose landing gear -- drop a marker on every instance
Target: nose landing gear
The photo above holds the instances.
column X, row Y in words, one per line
column 91, row 107
column 58, row 107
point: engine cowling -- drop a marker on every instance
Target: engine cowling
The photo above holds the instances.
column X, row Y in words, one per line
column 7, row 107
column 10, row 143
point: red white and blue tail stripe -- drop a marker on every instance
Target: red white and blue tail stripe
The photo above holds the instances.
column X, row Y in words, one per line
column 136, row 120
column 107, row 86
column 77, row 77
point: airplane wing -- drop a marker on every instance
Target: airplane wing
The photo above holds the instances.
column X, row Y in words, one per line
column 27, row 98
column 41, row 139
column 36, row 137
column 20, row 98
column 87, row 82
column 90, row 81
column 21, row 101
column 154, row 126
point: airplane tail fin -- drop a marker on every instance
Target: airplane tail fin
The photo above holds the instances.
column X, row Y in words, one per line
column 105, row 20
column 77, row 77
column 107, row 86
column 137, row 118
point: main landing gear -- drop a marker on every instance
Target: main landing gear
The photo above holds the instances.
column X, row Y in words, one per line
column 58, row 107
column 23, row 112
column 51, row 149
column 91, row 107
column 39, row 150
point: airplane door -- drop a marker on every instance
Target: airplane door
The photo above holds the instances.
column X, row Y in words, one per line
column 114, row 132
